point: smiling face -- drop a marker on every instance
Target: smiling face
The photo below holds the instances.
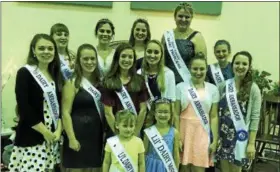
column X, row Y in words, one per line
column 198, row 70
column 162, row 113
column 88, row 60
column 153, row 53
column 61, row 39
column 126, row 59
column 104, row 34
column 44, row 51
column 222, row 52
column 240, row 66
column 126, row 128
column 140, row 32
column 183, row 19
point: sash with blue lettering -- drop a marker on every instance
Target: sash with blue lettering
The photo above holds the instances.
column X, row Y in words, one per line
column 96, row 95
column 49, row 92
column 217, row 73
column 176, row 56
column 66, row 71
column 120, row 154
column 161, row 148
column 238, row 121
column 126, row 100
column 199, row 110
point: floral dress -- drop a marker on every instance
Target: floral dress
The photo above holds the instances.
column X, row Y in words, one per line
column 227, row 132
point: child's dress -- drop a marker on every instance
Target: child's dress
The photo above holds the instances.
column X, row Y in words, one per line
column 153, row 161
column 133, row 148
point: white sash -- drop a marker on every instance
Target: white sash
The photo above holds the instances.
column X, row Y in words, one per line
column 152, row 98
column 217, row 73
column 66, row 71
column 96, row 95
column 126, row 100
column 161, row 148
column 199, row 110
column 121, row 155
column 49, row 92
column 238, row 121
column 176, row 56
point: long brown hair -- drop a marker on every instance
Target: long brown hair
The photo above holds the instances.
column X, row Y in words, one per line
column 95, row 76
column 246, row 83
column 112, row 80
column 54, row 66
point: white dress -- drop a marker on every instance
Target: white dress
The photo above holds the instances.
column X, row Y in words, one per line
column 36, row 158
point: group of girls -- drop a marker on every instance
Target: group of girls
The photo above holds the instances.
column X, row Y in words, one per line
column 142, row 106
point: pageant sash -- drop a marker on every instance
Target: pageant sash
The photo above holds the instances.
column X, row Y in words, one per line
column 217, row 73
column 161, row 148
column 120, row 153
column 152, row 98
column 96, row 95
column 49, row 92
column 126, row 100
column 238, row 121
column 199, row 110
column 176, row 56
column 66, row 71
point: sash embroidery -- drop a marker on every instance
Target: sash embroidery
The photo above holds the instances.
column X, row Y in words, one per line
column 161, row 148
column 238, row 121
column 126, row 100
column 176, row 56
column 49, row 92
column 217, row 73
column 66, row 71
column 120, row 153
column 199, row 111
column 96, row 95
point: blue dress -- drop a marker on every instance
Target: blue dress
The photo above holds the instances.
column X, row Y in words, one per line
column 227, row 73
column 153, row 161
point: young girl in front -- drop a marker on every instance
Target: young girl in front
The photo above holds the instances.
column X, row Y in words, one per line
column 162, row 140
column 124, row 152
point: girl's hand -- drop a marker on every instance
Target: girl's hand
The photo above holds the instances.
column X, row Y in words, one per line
column 74, row 144
column 49, row 136
column 251, row 151
column 57, row 134
column 212, row 148
column 181, row 148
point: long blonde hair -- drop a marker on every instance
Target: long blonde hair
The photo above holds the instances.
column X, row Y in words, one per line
column 145, row 66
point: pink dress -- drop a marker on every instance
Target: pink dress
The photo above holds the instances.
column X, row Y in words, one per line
column 194, row 137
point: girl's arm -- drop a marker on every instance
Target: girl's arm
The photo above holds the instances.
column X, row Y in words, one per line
column 200, row 45
column 141, row 117
column 110, row 117
column 177, row 106
column 106, row 162
column 68, row 93
column 176, row 148
column 58, row 130
column 146, row 144
column 214, row 122
column 141, row 164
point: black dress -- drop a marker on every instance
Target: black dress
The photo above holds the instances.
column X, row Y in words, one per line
column 88, row 130
column 186, row 50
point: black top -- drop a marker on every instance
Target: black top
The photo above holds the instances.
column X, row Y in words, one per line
column 152, row 81
column 29, row 96
column 88, row 130
column 139, row 63
column 186, row 49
